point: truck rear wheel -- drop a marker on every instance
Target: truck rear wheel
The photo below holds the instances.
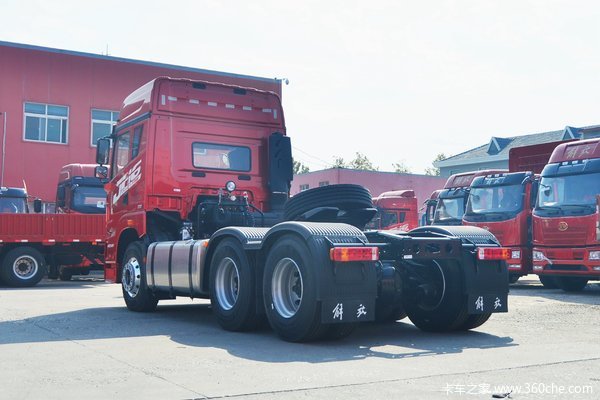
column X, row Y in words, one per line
column 571, row 283
column 23, row 267
column 290, row 292
column 233, row 287
column 436, row 303
column 474, row 321
column 138, row 297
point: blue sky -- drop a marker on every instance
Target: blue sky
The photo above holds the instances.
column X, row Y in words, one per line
column 399, row 81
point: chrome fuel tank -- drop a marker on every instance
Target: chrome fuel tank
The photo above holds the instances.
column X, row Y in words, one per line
column 177, row 267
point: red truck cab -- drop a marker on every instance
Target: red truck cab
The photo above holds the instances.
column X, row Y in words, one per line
column 502, row 204
column 396, row 210
column 452, row 199
column 189, row 158
column 565, row 235
column 13, row 201
column 79, row 191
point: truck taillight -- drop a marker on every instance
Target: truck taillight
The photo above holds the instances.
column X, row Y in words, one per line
column 347, row 254
column 493, row 253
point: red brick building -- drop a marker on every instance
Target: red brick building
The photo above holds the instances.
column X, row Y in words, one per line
column 55, row 103
column 377, row 182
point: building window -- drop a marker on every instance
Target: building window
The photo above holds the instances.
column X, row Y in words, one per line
column 46, row 123
column 324, row 183
column 304, row 187
column 102, row 123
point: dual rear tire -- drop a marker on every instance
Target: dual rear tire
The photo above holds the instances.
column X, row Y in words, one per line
column 289, row 292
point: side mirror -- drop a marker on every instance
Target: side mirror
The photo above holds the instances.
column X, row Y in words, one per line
column 60, row 196
column 37, row 206
column 101, row 172
column 547, row 190
column 102, row 150
column 475, row 198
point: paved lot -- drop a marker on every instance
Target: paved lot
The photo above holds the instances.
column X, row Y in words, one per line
column 76, row 340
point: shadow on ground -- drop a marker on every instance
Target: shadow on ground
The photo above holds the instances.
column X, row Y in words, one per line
column 193, row 325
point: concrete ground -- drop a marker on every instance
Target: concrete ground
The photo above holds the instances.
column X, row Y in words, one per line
column 76, row 340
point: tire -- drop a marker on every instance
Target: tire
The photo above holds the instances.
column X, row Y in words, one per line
column 64, row 274
column 233, row 288
column 344, row 197
column 445, row 308
column 385, row 315
column 138, row 297
column 23, row 267
column 549, row 282
column 513, row 278
column 474, row 321
column 52, row 272
column 290, row 292
column 571, row 284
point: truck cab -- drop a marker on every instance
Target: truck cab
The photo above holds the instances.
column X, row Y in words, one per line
column 13, row 201
column 565, row 235
column 452, row 200
column 502, row 204
column 192, row 157
column 79, row 191
column 396, row 210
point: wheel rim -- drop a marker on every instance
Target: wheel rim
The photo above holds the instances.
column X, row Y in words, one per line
column 432, row 298
column 25, row 267
column 287, row 287
column 227, row 283
column 132, row 277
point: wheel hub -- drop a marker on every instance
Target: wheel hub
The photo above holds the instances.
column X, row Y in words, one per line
column 287, row 287
column 25, row 267
column 227, row 283
column 132, row 277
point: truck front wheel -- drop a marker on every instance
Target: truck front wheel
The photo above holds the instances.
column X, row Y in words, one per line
column 23, row 267
column 233, row 287
column 138, row 297
column 571, row 283
column 434, row 300
column 290, row 292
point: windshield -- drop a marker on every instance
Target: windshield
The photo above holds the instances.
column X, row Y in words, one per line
column 495, row 199
column 449, row 209
column 569, row 192
column 13, row 205
column 89, row 199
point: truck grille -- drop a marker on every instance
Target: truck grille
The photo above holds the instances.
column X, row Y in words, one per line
column 575, row 235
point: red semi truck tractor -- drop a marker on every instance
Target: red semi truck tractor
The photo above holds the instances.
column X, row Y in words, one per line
column 451, row 201
column 198, row 207
column 566, row 237
column 502, row 204
column 396, row 210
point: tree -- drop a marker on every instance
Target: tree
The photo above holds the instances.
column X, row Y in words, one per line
column 338, row 162
column 300, row 168
column 362, row 162
column 433, row 170
column 401, row 168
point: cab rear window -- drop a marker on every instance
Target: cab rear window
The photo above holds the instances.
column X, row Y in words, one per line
column 221, row 156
